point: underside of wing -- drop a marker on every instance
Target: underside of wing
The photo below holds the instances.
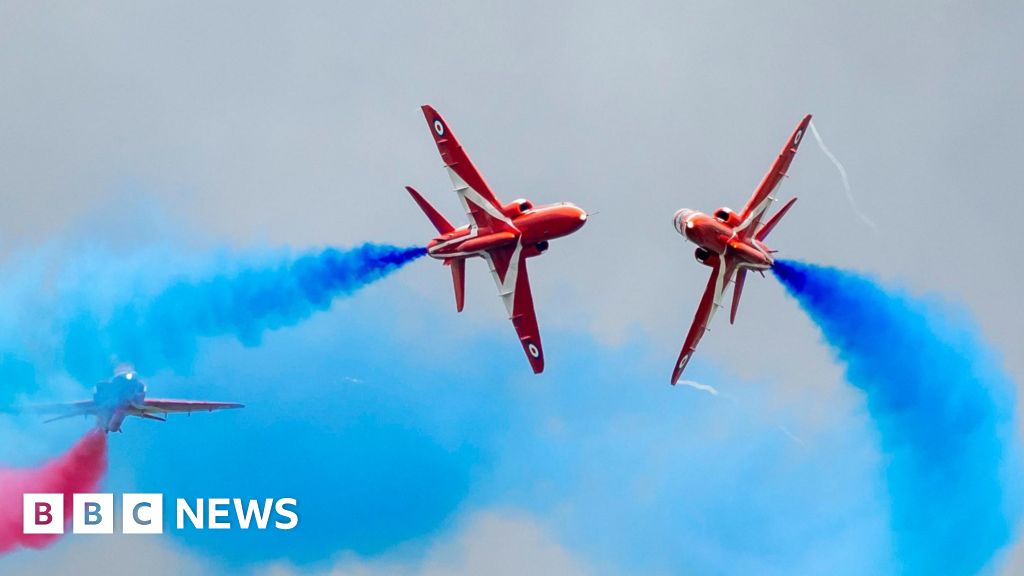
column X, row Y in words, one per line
column 508, row 268
column 762, row 199
column 710, row 302
column 165, row 406
column 480, row 203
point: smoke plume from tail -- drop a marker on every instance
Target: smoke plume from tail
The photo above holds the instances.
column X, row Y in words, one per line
column 943, row 406
column 160, row 330
column 78, row 470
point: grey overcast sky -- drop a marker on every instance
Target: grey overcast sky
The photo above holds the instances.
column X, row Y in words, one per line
column 294, row 125
column 298, row 124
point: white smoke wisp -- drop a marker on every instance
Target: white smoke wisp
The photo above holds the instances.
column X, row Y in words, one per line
column 842, row 174
column 702, row 387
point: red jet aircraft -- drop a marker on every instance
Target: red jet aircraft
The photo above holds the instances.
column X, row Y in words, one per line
column 504, row 235
column 732, row 243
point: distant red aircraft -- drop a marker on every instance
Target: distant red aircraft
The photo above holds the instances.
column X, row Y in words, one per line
column 732, row 243
column 504, row 235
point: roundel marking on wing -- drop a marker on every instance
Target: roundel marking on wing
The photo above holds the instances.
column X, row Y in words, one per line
column 438, row 127
column 534, row 351
column 797, row 137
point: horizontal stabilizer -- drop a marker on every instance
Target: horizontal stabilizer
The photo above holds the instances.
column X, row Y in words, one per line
column 440, row 222
column 769, row 225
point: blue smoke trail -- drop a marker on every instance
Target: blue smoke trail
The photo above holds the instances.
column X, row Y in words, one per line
column 943, row 406
column 162, row 330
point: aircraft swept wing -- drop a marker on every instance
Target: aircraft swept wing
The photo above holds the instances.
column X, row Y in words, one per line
column 166, row 406
column 750, row 218
column 721, row 275
column 480, row 203
column 149, row 409
column 65, row 410
column 508, row 267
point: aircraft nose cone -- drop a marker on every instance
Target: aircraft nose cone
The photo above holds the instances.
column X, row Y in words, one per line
column 580, row 218
column 581, row 215
column 573, row 217
column 679, row 219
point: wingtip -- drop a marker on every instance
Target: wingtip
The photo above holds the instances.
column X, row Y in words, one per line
column 429, row 112
column 804, row 123
column 536, row 362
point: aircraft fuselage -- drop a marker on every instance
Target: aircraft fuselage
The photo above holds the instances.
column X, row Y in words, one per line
column 115, row 397
column 534, row 228
column 717, row 236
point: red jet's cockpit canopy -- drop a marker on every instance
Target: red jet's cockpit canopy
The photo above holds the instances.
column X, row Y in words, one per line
column 727, row 216
column 517, row 207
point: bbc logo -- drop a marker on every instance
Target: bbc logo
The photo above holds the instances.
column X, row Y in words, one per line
column 144, row 513
column 93, row 514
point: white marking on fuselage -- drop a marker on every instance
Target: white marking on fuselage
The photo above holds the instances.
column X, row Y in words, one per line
column 506, row 288
column 473, row 232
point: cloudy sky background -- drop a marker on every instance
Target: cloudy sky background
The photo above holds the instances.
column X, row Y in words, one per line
column 424, row 445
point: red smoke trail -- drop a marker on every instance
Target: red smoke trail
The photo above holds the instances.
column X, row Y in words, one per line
column 78, row 470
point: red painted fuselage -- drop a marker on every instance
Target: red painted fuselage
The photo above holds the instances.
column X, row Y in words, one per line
column 535, row 226
column 720, row 235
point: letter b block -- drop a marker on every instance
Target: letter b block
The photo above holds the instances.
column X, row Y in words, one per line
column 43, row 514
column 93, row 514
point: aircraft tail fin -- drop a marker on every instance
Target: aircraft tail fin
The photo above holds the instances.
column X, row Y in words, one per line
column 440, row 222
column 741, row 277
column 770, row 224
column 458, row 266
